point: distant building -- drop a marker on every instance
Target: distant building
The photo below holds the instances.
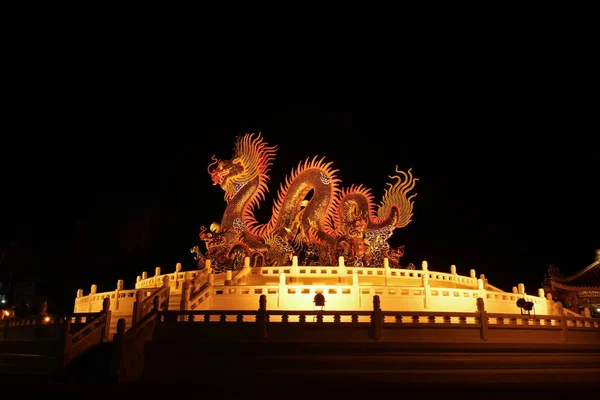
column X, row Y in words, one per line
column 578, row 291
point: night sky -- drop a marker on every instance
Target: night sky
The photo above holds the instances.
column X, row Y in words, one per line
column 100, row 191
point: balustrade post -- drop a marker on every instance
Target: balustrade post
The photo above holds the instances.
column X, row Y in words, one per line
column 119, row 343
column 426, row 287
column 245, row 272
column 137, row 307
column 386, row 269
column 282, row 291
column 564, row 328
column 66, row 341
column 484, row 279
column 294, row 271
column 483, row 319
column 156, row 275
column 39, row 329
column 481, row 288
column 342, row 270
column 167, row 286
column 93, row 290
column 356, row 288
column 557, row 308
column 376, row 318
column 454, row 274
column 6, row 326
column 549, row 304
column 107, row 317
column 262, row 317
column 587, row 313
column 185, row 295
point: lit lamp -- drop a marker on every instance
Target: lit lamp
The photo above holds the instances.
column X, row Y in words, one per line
column 525, row 305
column 319, row 300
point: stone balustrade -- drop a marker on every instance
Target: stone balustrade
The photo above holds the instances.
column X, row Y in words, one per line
column 344, row 288
column 380, row 324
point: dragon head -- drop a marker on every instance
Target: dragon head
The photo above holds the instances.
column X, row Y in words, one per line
column 251, row 161
column 222, row 171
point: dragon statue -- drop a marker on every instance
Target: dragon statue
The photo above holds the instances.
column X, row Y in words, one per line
column 312, row 216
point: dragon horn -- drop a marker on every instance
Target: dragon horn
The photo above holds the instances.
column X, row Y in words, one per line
column 215, row 161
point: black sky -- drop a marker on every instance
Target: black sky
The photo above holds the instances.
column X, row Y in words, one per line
column 102, row 191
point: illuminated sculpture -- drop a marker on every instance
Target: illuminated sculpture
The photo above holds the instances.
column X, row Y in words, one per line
column 325, row 246
column 312, row 218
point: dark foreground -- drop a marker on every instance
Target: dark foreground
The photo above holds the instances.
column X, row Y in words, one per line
column 351, row 388
column 571, row 383
column 234, row 371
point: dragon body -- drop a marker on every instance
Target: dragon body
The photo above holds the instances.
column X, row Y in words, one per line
column 312, row 217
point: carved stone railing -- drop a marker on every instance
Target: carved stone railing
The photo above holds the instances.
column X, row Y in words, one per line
column 344, row 326
column 176, row 278
column 129, row 346
column 570, row 313
column 242, row 276
column 32, row 327
column 386, row 273
column 119, row 299
column 68, row 336
column 144, row 304
column 21, row 327
column 94, row 332
column 196, row 291
column 478, row 326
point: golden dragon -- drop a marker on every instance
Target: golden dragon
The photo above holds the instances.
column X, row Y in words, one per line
column 312, row 216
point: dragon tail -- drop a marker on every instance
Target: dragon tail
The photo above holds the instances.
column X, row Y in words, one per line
column 396, row 195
